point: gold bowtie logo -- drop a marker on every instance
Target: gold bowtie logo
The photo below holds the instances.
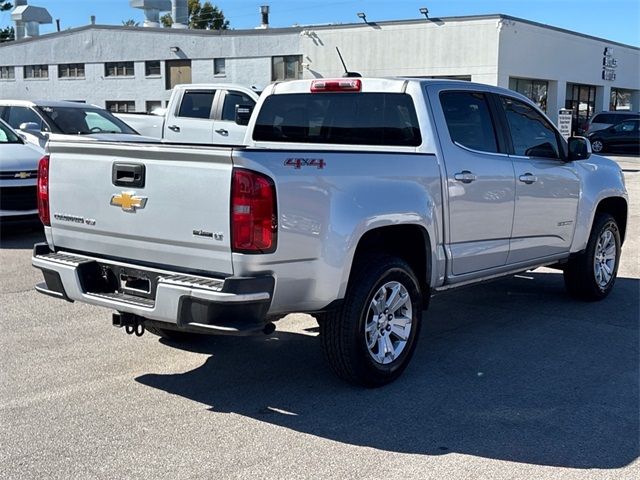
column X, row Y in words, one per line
column 128, row 201
column 22, row 175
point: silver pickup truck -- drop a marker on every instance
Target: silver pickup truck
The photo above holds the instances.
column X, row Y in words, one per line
column 352, row 199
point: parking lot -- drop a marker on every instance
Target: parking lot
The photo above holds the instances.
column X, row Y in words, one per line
column 511, row 379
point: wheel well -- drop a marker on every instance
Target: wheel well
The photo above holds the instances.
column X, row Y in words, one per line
column 617, row 208
column 409, row 242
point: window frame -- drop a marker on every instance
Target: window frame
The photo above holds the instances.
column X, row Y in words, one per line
column 40, row 68
column 117, row 65
column 224, row 67
column 11, row 73
column 284, row 58
column 118, row 103
column 146, row 69
column 72, row 67
column 562, row 145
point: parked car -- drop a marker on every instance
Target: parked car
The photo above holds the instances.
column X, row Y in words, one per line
column 199, row 113
column 623, row 137
column 352, row 199
column 39, row 121
column 18, row 174
column 604, row 120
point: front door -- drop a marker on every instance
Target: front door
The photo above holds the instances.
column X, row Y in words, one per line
column 480, row 181
column 226, row 130
column 547, row 187
column 178, row 73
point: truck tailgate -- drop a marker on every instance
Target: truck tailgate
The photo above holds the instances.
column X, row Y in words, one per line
column 177, row 216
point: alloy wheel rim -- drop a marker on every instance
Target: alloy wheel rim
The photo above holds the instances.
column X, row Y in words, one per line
column 596, row 146
column 388, row 322
column 604, row 260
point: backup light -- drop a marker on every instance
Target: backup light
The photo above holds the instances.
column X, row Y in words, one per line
column 341, row 85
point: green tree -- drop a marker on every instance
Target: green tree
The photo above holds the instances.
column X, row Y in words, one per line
column 5, row 5
column 130, row 23
column 7, row 34
column 201, row 17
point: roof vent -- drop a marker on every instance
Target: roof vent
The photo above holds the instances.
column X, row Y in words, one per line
column 28, row 19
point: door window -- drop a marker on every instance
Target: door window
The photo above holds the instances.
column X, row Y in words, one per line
column 624, row 127
column 196, row 104
column 469, row 120
column 531, row 134
column 20, row 115
column 231, row 101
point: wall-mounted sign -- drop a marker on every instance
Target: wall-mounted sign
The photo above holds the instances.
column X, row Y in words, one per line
column 609, row 64
column 565, row 117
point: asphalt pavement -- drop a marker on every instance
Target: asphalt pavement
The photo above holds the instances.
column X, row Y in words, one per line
column 511, row 380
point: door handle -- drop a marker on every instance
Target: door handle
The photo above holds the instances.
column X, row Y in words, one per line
column 465, row 176
column 528, row 178
column 222, row 132
column 174, row 128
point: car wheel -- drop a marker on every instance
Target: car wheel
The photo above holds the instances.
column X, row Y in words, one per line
column 592, row 274
column 597, row 146
column 370, row 339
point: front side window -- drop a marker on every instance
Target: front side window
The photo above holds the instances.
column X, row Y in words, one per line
column 7, row 73
column 152, row 69
column 286, row 68
column 469, row 120
column 71, row 70
column 36, row 71
column 196, row 104
column 532, row 135
column 118, row 69
column 231, row 101
column 387, row 119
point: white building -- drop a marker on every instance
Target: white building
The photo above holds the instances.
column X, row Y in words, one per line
column 131, row 68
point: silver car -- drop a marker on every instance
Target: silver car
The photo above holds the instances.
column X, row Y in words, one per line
column 18, row 177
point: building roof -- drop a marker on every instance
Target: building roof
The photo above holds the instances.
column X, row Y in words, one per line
column 300, row 28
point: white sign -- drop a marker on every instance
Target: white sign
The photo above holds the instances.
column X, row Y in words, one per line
column 564, row 122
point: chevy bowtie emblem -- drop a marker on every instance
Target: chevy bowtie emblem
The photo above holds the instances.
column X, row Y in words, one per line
column 22, row 175
column 128, row 201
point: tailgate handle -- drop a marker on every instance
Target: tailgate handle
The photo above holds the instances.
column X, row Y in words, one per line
column 128, row 175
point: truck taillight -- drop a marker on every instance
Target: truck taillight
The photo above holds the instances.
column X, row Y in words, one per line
column 43, row 191
column 253, row 212
column 341, row 85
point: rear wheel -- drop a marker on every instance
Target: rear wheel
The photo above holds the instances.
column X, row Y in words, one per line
column 370, row 340
column 597, row 146
column 592, row 274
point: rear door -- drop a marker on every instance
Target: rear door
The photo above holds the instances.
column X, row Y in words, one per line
column 192, row 120
column 226, row 130
column 547, row 187
column 153, row 204
column 480, row 180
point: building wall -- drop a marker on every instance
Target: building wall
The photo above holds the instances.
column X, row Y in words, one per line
column 531, row 51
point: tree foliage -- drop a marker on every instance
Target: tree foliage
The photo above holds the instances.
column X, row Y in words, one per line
column 5, row 5
column 130, row 23
column 201, row 17
column 7, row 34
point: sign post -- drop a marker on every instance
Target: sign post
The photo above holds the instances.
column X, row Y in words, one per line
column 565, row 118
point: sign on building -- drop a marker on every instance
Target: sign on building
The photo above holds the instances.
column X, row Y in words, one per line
column 609, row 64
column 564, row 122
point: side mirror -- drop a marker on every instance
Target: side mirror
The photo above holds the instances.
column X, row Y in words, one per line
column 579, row 148
column 243, row 114
column 29, row 127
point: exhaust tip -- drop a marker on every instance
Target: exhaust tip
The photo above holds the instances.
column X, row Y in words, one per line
column 269, row 328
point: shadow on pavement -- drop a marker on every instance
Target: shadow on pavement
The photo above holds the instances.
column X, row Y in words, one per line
column 513, row 370
column 20, row 237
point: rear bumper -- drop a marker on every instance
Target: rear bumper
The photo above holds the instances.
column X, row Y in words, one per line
column 225, row 306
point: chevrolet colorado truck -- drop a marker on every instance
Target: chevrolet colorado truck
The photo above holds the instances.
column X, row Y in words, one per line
column 352, row 199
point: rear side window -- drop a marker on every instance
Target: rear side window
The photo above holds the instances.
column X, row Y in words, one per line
column 20, row 115
column 613, row 118
column 196, row 104
column 339, row 118
column 469, row 121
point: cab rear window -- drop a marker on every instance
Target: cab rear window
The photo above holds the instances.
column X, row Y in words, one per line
column 339, row 118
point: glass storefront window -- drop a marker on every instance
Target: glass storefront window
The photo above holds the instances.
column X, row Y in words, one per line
column 620, row 99
column 534, row 90
column 581, row 99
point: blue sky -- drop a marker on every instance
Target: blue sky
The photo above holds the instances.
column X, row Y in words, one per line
column 617, row 20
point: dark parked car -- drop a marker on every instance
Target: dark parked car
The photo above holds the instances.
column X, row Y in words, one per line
column 623, row 137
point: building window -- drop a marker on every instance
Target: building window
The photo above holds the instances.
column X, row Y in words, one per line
column 118, row 69
column 121, row 106
column 71, row 70
column 151, row 105
column 286, row 68
column 620, row 99
column 152, row 69
column 36, row 71
column 534, row 90
column 7, row 73
column 219, row 67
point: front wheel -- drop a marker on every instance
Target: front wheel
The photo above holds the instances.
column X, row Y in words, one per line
column 370, row 340
column 592, row 274
column 597, row 146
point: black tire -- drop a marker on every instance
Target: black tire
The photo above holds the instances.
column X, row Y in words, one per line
column 342, row 331
column 580, row 276
column 176, row 336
